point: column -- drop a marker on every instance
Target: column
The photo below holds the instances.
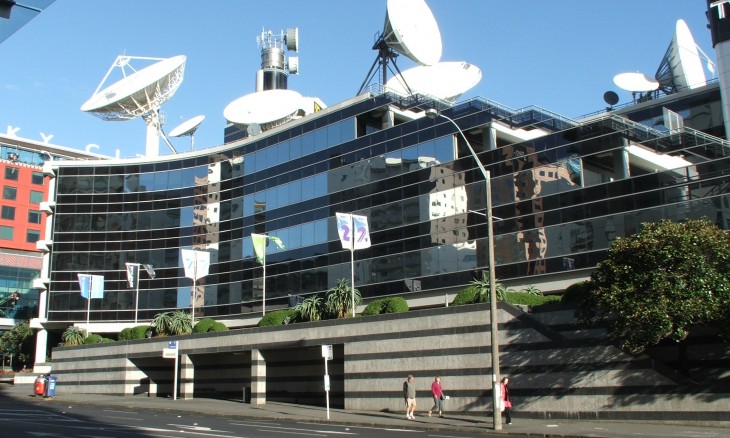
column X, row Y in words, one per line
column 187, row 377
column 258, row 378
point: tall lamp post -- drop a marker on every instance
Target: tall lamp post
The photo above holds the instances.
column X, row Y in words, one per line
column 493, row 323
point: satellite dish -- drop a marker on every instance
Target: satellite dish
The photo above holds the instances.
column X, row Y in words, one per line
column 267, row 108
column 188, row 127
column 610, row 97
column 444, row 80
column 253, row 129
column 681, row 66
column 138, row 94
column 293, row 65
column 635, row 82
column 411, row 29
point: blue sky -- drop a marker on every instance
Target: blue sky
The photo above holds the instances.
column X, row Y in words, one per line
column 560, row 55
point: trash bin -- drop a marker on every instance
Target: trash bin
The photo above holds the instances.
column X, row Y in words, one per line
column 50, row 386
column 40, row 385
column 246, row 394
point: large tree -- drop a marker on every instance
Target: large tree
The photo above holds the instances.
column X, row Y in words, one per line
column 18, row 341
column 660, row 283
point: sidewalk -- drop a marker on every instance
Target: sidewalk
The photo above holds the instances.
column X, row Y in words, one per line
column 452, row 423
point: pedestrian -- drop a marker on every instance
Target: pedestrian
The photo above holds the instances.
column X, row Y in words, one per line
column 409, row 394
column 14, row 298
column 505, row 401
column 438, row 397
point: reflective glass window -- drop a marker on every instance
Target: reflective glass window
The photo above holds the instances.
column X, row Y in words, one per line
column 10, row 193
column 6, row 233
column 307, row 144
column 36, row 197
column 34, row 216
column 32, row 236
column 11, row 173
column 8, row 212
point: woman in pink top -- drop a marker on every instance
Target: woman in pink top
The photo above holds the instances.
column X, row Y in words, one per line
column 506, row 402
column 438, row 397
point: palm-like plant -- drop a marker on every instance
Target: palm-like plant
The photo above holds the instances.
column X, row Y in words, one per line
column 483, row 289
column 74, row 336
column 532, row 290
column 310, row 309
column 180, row 323
column 161, row 323
column 339, row 299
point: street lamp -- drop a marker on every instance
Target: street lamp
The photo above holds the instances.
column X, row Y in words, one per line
column 494, row 328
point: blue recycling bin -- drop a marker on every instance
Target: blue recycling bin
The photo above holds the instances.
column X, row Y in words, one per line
column 50, row 386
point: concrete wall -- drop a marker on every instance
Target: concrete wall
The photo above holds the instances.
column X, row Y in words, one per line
column 556, row 370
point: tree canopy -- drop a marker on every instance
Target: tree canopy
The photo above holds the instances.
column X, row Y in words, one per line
column 660, row 283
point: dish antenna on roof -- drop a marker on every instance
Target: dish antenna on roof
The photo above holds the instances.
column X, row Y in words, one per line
column 188, row 127
column 411, row 30
column 263, row 110
column 140, row 93
column 680, row 68
column 446, row 81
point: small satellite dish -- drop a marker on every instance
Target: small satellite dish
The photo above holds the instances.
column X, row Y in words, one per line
column 635, row 82
column 445, row 80
column 138, row 94
column 681, row 66
column 293, row 65
column 411, row 29
column 253, row 129
column 610, row 97
column 188, row 127
column 267, row 108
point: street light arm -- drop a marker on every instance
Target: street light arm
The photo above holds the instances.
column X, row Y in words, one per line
column 431, row 113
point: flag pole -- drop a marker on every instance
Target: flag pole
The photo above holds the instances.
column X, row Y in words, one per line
column 136, row 292
column 263, row 288
column 352, row 262
column 195, row 288
column 88, row 301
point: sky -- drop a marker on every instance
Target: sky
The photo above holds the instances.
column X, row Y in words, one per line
column 560, row 55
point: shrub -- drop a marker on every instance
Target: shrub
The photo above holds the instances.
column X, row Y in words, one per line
column 73, row 336
column 92, row 339
column 278, row 317
column 140, row 331
column 468, row 295
column 203, row 325
column 531, row 300
column 218, row 327
column 395, row 305
column 576, row 292
column 125, row 334
column 386, row 305
column 373, row 308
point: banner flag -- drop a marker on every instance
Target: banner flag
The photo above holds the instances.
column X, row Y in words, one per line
column 259, row 247
column 150, row 271
column 277, row 241
column 196, row 263
column 352, row 227
column 85, row 285
column 92, row 286
column 97, row 286
column 361, row 232
column 132, row 274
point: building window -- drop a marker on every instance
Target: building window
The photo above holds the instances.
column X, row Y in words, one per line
column 33, row 236
column 6, row 233
column 10, row 193
column 34, row 216
column 36, row 197
column 36, row 178
column 8, row 212
column 11, row 173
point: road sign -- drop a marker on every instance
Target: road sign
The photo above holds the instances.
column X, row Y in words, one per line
column 327, row 352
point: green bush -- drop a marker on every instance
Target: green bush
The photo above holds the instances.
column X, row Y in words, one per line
column 140, row 331
column 373, row 308
column 203, row 325
column 528, row 299
column 395, row 305
column 278, row 317
column 218, row 327
column 386, row 305
column 92, row 339
column 125, row 334
column 107, row 340
column 468, row 295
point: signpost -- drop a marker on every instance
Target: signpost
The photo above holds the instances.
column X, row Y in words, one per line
column 327, row 355
column 171, row 352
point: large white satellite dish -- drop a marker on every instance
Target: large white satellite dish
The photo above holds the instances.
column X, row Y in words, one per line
column 138, row 94
column 188, row 127
column 267, row 108
column 635, row 82
column 411, row 29
column 446, row 80
column 681, row 66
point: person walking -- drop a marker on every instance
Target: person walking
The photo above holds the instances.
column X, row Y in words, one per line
column 409, row 394
column 438, row 397
column 506, row 402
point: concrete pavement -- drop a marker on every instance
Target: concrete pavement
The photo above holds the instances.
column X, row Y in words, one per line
column 453, row 422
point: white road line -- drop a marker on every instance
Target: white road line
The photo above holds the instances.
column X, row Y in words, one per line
column 336, row 432
column 293, row 433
